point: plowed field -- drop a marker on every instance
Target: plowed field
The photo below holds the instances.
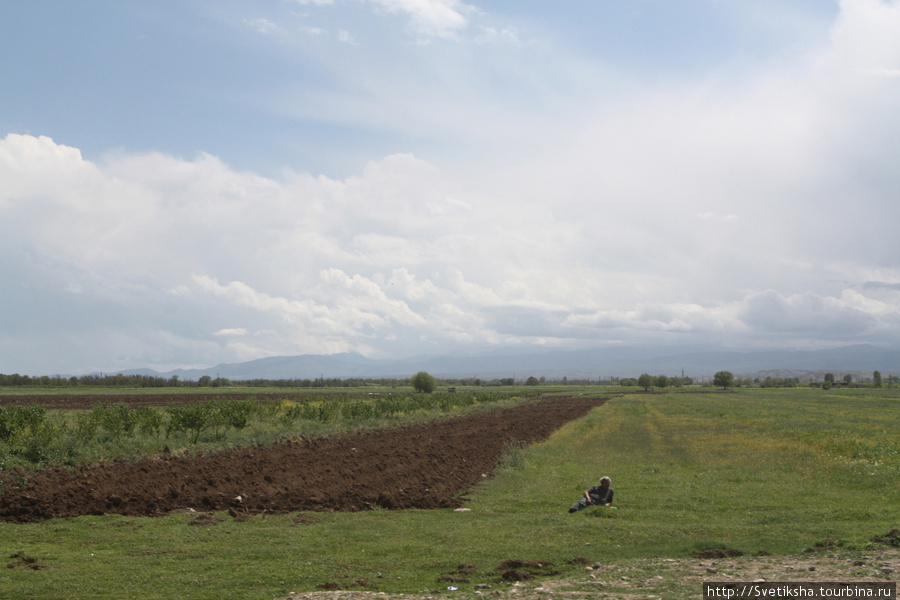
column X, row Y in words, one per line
column 420, row 466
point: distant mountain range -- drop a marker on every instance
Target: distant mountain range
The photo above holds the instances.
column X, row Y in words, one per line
column 859, row 360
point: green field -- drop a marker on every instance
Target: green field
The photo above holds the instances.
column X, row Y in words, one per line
column 771, row 471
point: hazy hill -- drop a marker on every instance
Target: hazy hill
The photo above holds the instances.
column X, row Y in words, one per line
column 606, row 362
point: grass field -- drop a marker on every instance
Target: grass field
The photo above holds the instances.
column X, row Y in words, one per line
column 773, row 471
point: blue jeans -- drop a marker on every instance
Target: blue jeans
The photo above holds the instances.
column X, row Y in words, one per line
column 580, row 505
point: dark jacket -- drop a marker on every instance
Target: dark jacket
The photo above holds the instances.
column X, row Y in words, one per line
column 600, row 495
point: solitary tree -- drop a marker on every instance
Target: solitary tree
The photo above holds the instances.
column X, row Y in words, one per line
column 848, row 378
column 829, row 377
column 723, row 378
column 876, row 376
column 531, row 380
column 423, row 382
column 645, row 381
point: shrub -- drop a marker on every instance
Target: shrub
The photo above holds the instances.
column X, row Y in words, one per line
column 15, row 419
column 86, row 427
column 423, row 382
column 26, row 432
column 238, row 412
column 116, row 419
column 191, row 419
column 150, row 420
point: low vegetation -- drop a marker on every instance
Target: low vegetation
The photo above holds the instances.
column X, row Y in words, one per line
column 33, row 436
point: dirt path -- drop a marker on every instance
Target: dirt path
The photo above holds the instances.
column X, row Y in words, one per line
column 669, row 578
column 421, row 466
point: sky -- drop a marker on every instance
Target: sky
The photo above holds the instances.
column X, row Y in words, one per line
column 185, row 183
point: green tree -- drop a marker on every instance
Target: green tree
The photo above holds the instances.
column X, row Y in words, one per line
column 662, row 381
column 645, row 381
column 876, row 376
column 848, row 378
column 531, row 380
column 423, row 382
column 723, row 379
column 829, row 377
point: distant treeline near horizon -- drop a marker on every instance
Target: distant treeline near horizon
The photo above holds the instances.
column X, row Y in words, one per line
column 154, row 381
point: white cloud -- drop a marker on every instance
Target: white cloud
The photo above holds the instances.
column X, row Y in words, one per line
column 390, row 258
column 494, row 35
column 440, row 18
column 234, row 331
column 861, row 274
column 426, row 19
column 264, row 26
column 865, row 37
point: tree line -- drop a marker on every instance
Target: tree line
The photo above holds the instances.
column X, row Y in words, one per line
column 645, row 381
column 152, row 381
column 726, row 379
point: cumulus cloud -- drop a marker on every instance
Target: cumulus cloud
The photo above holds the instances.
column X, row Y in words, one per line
column 326, row 264
column 223, row 264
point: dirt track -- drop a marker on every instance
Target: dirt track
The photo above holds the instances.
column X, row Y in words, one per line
column 422, row 466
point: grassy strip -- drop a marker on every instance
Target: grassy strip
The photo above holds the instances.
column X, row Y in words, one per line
column 758, row 471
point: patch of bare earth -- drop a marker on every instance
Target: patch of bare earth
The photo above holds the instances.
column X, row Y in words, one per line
column 661, row 578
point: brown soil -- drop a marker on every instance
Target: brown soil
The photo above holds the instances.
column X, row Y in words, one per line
column 639, row 579
column 420, row 466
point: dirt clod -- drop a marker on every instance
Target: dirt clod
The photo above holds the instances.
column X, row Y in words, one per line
column 731, row 552
column 205, row 519
column 22, row 560
column 517, row 575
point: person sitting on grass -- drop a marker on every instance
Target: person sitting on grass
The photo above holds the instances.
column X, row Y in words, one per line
column 595, row 496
